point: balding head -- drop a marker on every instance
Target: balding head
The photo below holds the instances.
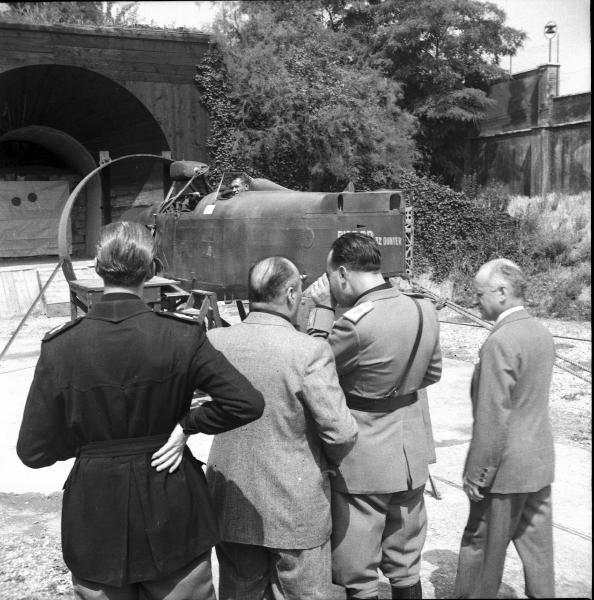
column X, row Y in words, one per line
column 503, row 271
column 499, row 285
column 275, row 281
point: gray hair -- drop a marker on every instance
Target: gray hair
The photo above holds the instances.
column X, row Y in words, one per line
column 125, row 254
column 270, row 277
column 503, row 270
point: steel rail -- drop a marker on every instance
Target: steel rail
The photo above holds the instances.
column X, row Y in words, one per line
column 567, row 529
column 41, row 292
column 562, row 337
column 465, row 312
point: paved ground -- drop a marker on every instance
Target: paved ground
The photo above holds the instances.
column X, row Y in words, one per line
column 451, row 417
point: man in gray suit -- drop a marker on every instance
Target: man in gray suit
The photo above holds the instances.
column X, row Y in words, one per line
column 386, row 349
column 270, row 483
column 510, row 463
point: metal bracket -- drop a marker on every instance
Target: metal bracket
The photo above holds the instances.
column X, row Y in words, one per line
column 209, row 309
column 409, row 234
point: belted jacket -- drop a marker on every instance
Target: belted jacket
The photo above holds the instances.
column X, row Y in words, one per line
column 108, row 389
column 372, row 343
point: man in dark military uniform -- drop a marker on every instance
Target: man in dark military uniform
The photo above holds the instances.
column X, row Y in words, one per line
column 386, row 348
column 108, row 389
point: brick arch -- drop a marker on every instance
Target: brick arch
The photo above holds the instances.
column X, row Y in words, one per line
column 75, row 113
column 93, row 109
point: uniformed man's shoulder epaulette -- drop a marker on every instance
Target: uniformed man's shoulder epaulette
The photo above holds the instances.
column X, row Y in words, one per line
column 355, row 314
column 56, row 331
column 178, row 317
column 418, row 295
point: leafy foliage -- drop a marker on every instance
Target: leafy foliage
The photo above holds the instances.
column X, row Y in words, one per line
column 454, row 235
column 106, row 14
column 549, row 237
column 213, row 84
column 445, row 53
column 297, row 109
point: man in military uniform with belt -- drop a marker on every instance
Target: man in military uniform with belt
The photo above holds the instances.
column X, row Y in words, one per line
column 386, row 348
column 108, row 389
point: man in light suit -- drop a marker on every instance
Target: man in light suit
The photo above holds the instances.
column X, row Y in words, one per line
column 387, row 350
column 270, row 483
column 510, row 463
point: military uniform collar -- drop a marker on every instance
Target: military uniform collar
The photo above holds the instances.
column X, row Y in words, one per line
column 117, row 307
column 379, row 292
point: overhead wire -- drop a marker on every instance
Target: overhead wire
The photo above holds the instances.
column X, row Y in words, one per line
column 555, row 335
column 441, row 302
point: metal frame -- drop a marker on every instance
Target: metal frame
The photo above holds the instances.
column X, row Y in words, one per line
column 64, row 254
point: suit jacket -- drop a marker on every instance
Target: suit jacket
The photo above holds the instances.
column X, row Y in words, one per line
column 372, row 343
column 512, row 450
column 269, row 479
column 115, row 377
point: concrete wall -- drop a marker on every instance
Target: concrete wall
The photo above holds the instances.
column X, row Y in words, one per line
column 532, row 140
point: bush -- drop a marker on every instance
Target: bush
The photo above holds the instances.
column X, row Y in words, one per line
column 551, row 240
column 561, row 292
column 494, row 195
column 549, row 237
column 454, row 235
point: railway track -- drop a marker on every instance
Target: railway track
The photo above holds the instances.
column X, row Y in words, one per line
column 567, row 529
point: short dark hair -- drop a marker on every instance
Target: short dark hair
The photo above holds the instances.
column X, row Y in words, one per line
column 357, row 251
column 242, row 179
column 125, row 254
column 270, row 277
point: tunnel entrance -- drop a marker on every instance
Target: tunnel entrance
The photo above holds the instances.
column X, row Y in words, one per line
column 54, row 122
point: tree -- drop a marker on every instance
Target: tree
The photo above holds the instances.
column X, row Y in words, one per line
column 445, row 53
column 305, row 112
column 101, row 14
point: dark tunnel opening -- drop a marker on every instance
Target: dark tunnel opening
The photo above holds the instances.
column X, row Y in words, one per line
column 54, row 122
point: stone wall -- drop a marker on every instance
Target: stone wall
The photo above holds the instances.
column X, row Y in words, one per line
column 120, row 91
column 532, row 140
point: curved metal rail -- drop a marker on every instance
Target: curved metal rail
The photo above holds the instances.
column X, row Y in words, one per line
column 64, row 254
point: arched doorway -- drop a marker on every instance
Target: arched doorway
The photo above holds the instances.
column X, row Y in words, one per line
column 63, row 117
column 77, row 158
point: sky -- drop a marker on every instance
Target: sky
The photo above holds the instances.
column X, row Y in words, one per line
column 571, row 16
column 573, row 26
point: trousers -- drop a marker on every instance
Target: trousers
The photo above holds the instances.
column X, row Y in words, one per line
column 248, row 572
column 526, row 520
column 371, row 531
column 192, row 582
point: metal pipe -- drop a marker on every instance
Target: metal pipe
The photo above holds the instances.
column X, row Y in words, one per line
column 39, row 295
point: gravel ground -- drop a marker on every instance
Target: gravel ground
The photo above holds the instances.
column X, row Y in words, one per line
column 571, row 396
column 31, row 566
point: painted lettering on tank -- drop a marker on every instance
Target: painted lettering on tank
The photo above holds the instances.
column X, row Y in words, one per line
column 381, row 240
